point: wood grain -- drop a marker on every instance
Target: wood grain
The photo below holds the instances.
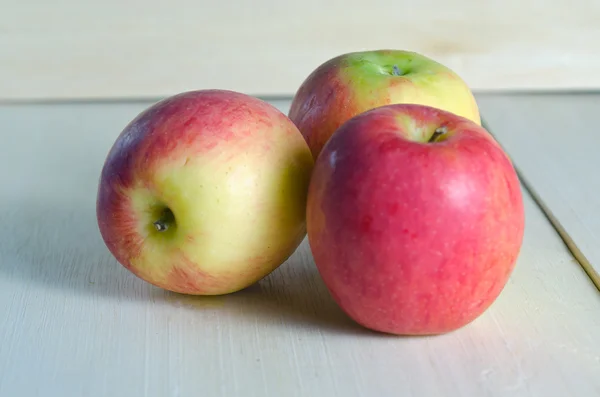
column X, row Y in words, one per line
column 554, row 139
column 110, row 49
column 75, row 323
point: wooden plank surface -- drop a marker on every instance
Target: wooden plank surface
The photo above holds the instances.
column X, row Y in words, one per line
column 74, row 323
column 71, row 49
column 554, row 140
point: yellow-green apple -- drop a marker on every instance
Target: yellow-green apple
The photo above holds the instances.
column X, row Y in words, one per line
column 415, row 219
column 352, row 83
column 204, row 192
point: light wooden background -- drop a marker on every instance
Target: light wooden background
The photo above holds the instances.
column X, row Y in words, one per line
column 67, row 49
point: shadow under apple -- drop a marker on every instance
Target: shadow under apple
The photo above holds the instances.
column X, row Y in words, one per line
column 293, row 294
column 57, row 245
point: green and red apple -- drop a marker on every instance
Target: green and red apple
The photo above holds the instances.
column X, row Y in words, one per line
column 415, row 219
column 352, row 83
column 204, row 192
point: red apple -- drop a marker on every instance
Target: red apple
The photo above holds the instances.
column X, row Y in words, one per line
column 205, row 192
column 352, row 83
column 415, row 219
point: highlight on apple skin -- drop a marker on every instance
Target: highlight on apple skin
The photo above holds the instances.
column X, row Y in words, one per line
column 352, row 83
column 415, row 219
column 204, row 192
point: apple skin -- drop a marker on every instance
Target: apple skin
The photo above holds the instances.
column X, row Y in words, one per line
column 411, row 237
column 352, row 83
column 226, row 172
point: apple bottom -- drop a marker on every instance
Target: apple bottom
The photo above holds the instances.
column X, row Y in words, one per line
column 402, row 282
column 202, row 251
column 186, row 277
column 404, row 304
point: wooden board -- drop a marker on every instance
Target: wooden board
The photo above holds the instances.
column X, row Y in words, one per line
column 554, row 140
column 75, row 323
column 111, row 49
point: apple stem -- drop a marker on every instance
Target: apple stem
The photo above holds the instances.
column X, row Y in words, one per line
column 396, row 71
column 161, row 225
column 438, row 133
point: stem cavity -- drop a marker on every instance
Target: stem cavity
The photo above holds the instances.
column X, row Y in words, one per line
column 396, row 71
column 165, row 221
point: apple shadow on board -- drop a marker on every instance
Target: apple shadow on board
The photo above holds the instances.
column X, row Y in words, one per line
column 294, row 294
column 56, row 247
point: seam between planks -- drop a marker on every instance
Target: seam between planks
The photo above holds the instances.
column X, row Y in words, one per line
column 564, row 235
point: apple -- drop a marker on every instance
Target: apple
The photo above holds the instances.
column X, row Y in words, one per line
column 352, row 83
column 415, row 219
column 204, row 192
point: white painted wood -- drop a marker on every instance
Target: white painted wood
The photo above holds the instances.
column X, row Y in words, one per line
column 554, row 140
column 152, row 48
column 74, row 323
